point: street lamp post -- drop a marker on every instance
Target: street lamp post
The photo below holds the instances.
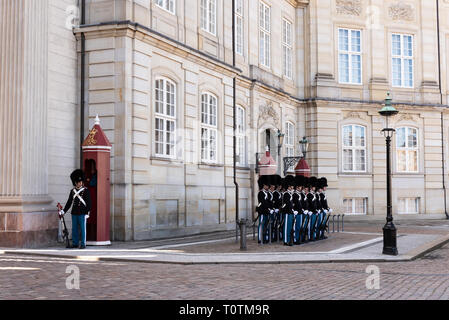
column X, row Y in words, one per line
column 389, row 230
column 280, row 142
column 304, row 146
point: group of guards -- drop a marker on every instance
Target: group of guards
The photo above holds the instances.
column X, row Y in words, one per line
column 293, row 209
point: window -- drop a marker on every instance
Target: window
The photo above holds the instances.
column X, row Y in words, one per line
column 354, row 148
column 407, row 149
column 240, row 136
column 165, row 117
column 208, row 15
column 287, row 48
column 239, row 26
column 208, row 128
column 408, row 205
column 355, row 205
column 289, row 139
column 168, row 5
column 349, row 56
column 264, row 34
column 402, row 60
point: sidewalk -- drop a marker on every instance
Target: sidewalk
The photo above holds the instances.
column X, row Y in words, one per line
column 361, row 241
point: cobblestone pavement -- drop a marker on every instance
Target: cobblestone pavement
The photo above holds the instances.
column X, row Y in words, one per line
column 32, row 277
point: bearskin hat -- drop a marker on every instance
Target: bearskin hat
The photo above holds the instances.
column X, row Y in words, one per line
column 77, row 176
column 289, row 181
column 323, row 182
column 299, row 181
column 277, row 180
column 313, row 181
column 263, row 180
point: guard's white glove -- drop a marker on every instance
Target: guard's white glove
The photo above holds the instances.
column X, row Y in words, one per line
column 61, row 213
column 277, row 210
column 271, row 211
column 295, row 212
column 325, row 211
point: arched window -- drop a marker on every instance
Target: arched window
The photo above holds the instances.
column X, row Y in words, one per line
column 407, row 149
column 208, row 127
column 289, row 139
column 165, row 117
column 241, row 136
column 354, row 148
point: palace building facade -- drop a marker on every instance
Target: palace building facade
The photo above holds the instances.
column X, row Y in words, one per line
column 179, row 84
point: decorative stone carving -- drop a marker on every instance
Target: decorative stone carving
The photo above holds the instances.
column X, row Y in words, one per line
column 407, row 117
column 268, row 114
column 349, row 7
column 401, row 11
column 353, row 114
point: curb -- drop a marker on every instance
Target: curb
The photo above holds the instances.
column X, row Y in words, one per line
column 410, row 256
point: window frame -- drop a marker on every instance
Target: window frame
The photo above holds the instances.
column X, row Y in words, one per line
column 350, row 54
column 209, row 127
column 287, row 65
column 407, row 149
column 239, row 16
column 167, row 3
column 207, row 22
column 165, row 117
column 353, row 205
column 353, row 148
column 241, row 136
column 416, row 200
column 402, row 57
column 266, row 35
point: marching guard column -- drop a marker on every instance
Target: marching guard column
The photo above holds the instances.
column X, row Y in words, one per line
column 96, row 155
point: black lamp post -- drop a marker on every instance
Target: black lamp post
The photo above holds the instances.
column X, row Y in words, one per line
column 389, row 229
column 280, row 142
column 304, row 146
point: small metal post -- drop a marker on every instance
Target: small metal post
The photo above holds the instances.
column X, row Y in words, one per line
column 333, row 223
column 342, row 223
column 338, row 223
column 242, row 226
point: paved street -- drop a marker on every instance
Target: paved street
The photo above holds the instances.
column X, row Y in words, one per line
column 32, row 277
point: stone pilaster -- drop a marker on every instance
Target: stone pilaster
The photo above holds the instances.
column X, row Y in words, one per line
column 25, row 214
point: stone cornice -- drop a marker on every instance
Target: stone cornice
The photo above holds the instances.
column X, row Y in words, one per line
column 156, row 39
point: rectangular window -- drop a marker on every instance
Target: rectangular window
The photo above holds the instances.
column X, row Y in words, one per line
column 208, row 15
column 402, row 60
column 168, row 5
column 355, row 205
column 264, row 34
column 241, row 136
column 208, row 128
column 287, row 48
column 239, row 26
column 349, row 56
column 408, row 205
column 407, row 149
column 354, row 148
column 165, row 118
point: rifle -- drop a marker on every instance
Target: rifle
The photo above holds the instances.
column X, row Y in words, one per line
column 290, row 243
column 65, row 232
column 324, row 226
column 303, row 229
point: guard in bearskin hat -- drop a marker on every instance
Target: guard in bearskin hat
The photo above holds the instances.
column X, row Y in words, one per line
column 263, row 208
column 277, row 204
column 297, row 208
column 287, row 210
column 326, row 211
column 79, row 200
column 312, row 207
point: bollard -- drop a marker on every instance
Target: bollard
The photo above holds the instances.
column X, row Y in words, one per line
column 242, row 226
column 333, row 223
column 342, row 223
column 338, row 223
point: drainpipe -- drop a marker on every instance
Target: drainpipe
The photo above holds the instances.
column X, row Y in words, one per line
column 441, row 102
column 82, row 86
column 235, row 129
